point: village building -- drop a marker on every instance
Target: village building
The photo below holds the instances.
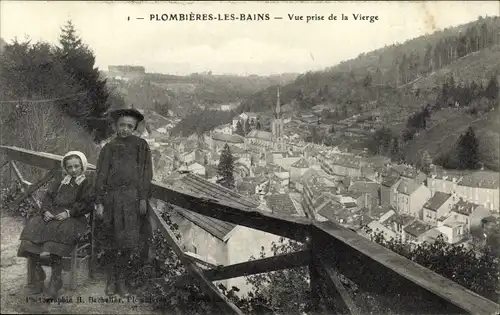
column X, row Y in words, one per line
column 415, row 232
column 411, row 197
column 439, row 205
column 215, row 241
column 481, row 187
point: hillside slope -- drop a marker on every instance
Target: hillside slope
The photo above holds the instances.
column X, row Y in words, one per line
column 448, row 125
column 398, row 80
column 182, row 94
column 387, row 75
column 477, row 66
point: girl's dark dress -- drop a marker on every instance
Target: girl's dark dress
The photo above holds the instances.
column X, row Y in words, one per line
column 58, row 237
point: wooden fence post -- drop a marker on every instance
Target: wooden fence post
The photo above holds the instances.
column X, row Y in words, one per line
column 315, row 279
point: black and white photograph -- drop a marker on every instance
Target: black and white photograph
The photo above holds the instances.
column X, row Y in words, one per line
column 253, row 157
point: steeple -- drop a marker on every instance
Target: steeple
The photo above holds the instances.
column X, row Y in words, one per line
column 277, row 124
column 278, row 108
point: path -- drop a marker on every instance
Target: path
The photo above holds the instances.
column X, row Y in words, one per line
column 13, row 279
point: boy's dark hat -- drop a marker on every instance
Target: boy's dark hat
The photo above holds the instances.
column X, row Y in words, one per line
column 131, row 112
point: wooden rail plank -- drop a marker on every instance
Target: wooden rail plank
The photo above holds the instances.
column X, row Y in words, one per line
column 247, row 268
column 4, row 163
column 315, row 285
column 369, row 264
column 290, row 227
column 25, row 184
column 199, row 261
column 206, row 285
column 35, row 186
column 295, row 228
column 37, row 159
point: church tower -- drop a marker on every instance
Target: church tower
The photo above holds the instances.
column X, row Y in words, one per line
column 277, row 124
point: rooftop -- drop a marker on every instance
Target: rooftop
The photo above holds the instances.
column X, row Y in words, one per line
column 353, row 194
column 437, row 200
column 448, row 174
column 302, row 163
column 364, row 187
column 405, row 170
column 402, row 219
column 417, row 228
column 281, row 203
column 329, row 210
column 377, row 212
column 236, row 150
column 228, row 138
column 464, row 207
column 482, row 179
column 260, row 134
column 408, row 187
column 205, row 189
column 390, row 181
column 350, row 205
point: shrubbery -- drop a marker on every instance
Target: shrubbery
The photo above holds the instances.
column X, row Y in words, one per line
column 8, row 194
column 477, row 271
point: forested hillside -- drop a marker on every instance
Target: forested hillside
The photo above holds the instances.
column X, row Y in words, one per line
column 388, row 74
column 454, row 67
column 183, row 93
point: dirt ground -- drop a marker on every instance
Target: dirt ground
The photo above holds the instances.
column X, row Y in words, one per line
column 86, row 299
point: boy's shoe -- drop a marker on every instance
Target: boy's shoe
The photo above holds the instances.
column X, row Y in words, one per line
column 121, row 288
column 110, row 288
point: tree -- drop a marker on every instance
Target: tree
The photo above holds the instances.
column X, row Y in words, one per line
column 395, row 149
column 226, row 168
column 367, row 81
column 252, row 125
column 247, row 127
column 491, row 90
column 468, row 150
column 239, row 129
column 79, row 63
column 162, row 108
column 380, row 141
column 424, row 162
column 407, row 134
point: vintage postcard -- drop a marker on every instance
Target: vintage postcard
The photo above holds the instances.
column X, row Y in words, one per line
column 253, row 157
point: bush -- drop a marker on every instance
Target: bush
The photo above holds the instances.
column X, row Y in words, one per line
column 26, row 209
column 280, row 292
column 479, row 272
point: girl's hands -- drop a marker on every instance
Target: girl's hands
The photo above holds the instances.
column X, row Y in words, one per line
column 47, row 216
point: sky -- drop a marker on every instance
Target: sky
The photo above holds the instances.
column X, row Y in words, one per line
column 234, row 47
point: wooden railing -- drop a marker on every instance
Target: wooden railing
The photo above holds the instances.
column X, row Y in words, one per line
column 332, row 250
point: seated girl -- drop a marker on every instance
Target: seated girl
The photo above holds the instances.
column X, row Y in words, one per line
column 53, row 233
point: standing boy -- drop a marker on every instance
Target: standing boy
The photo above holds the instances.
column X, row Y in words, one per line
column 123, row 186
